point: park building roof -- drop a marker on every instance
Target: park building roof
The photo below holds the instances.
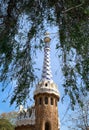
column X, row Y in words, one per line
column 25, row 116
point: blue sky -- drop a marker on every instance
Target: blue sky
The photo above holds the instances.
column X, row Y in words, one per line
column 56, row 72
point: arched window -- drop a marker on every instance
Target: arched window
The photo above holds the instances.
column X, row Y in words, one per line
column 51, row 101
column 46, row 84
column 36, row 101
column 47, row 126
column 56, row 102
column 40, row 101
column 46, row 100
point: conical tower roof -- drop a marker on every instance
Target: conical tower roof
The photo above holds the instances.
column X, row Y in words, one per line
column 46, row 85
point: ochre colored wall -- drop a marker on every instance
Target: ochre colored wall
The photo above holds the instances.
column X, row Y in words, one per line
column 46, row 112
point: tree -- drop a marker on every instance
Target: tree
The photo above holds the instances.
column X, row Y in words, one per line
column 10, row 116
column 5, row 125
column 16, row 43
column 79, row 118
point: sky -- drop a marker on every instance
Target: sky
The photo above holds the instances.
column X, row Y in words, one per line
column 56, row 65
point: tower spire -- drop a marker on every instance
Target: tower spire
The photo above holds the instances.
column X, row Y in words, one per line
column 46, row 73
column 46, row 84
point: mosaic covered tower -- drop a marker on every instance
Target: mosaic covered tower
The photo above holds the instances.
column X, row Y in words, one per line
column 44, row 114
column 46, row 95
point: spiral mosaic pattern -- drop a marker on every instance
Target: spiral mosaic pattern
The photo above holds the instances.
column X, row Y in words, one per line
column 46, row 73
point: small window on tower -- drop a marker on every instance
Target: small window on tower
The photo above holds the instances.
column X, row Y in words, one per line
column 55, row 102
column 46, row 84
column 51, row 101
column 36, row 101
column 40, row 101
column 46, row 100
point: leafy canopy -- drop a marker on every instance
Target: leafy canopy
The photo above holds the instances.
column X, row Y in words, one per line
column 21, row 23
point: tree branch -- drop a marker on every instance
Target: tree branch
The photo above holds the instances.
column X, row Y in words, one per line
column 71, row 8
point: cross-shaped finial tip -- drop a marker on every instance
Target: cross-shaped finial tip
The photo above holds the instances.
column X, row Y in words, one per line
column 47, row 33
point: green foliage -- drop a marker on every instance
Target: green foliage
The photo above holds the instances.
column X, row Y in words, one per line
column 10, row 116
column 16, row 54
column 74, row 32
column 5, row 125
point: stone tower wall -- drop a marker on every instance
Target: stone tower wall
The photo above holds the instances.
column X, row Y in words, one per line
column 46, row 113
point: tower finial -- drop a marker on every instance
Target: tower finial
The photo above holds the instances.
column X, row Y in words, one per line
column 46, row 73
column 47, row 38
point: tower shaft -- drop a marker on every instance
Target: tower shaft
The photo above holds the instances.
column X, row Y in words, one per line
column 46, row 73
